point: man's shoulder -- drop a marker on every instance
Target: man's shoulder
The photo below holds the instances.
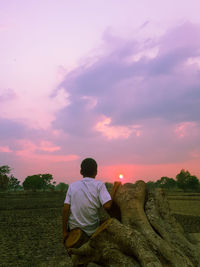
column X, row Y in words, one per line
column 75, row 184
column 79, row 183
column 98, row 183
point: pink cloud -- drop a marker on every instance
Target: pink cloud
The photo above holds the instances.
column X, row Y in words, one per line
column 35, row 109
column 29, row 152
column 195, row 153
column 44, row 157
column 47, row 146
column 115, row 132
column 5, row 149
column 184, row 129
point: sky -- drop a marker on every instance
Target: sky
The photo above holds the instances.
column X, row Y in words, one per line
column 115, row 80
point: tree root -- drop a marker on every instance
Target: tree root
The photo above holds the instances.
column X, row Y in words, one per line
column 147, row 235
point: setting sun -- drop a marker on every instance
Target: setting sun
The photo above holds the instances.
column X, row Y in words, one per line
column 121, row 176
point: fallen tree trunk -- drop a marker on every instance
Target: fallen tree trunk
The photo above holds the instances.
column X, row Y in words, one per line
column 143, row 233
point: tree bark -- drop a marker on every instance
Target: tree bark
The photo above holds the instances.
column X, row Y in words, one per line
column 143, row 233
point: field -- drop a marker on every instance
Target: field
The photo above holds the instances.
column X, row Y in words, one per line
column 186, row 209
column 31, row 232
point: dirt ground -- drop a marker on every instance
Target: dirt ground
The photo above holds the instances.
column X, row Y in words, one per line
column 31, row 232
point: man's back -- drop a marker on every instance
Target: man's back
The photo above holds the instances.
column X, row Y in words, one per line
column 85, row 198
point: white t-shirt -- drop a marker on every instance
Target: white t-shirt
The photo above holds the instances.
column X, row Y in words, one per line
column 85, row 197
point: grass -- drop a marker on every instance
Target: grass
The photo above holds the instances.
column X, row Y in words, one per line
column 185, row 203
column 185, row 206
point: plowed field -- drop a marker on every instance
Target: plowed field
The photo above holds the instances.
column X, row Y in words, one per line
column 31, row 231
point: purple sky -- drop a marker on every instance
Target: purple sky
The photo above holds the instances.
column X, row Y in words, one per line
column 115, row 80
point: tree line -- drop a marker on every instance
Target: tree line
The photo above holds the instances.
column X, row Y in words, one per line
column 184, row 181
column 34, row 182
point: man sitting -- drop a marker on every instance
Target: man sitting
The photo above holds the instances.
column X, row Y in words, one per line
column 83, row 199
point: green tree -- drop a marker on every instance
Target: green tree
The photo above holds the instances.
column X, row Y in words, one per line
column 52, row 186
column 38, row 181
column 47, row 178
column 186, row 181
column 62, row 187
column 151, row 185
column 4, row 178
column 5, row 169
column 193, row 183
column 109, row 186
column 3, row 182
column 33, row 182
column 182, row 179
column 13, row 183
column 166, row 182
column 7, row 180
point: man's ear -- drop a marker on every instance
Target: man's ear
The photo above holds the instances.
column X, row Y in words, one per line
column 81, row 172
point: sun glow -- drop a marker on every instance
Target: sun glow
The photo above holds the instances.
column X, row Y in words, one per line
column 121, row 176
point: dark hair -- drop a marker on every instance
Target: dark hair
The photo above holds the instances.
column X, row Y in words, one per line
column 88, row 167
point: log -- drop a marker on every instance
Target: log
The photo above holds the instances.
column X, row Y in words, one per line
column 76, row 238
column 142, row 232
column 160, row 217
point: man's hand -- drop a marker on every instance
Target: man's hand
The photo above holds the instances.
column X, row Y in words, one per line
column 65, row 236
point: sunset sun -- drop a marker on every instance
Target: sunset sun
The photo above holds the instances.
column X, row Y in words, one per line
column 121, row 176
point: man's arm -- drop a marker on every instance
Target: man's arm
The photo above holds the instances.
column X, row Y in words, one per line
column 108, row 204
column 65, row 216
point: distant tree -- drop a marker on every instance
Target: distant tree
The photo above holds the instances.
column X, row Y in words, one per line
column 186, row 181
column 52, row 186
column 5, row 169
column 166, row 182
column 182, row 179
column 193, row 183
column 63, row 187
column 47, row 178
column 151, row 185
column 38, row 181
column 4, row 178
column 13, row 183
column 7, row 180
column 109, row 186
column 3, row 182
column 33, row 182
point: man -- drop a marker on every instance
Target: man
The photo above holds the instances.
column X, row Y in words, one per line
column 83, row 199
